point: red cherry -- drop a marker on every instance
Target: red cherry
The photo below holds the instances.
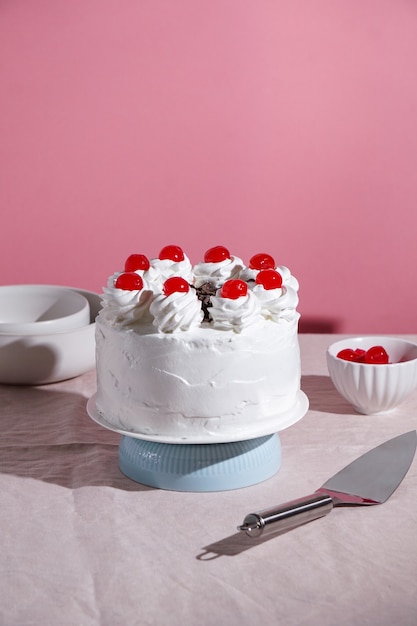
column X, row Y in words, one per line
column 376, row 355
column 216, row 254
column 136, row 262
column 234, row 289
column 173, row 253
column 262, row 261
column 347, row 354
column 360, row 355
column 130, row 281
column 175, row 284
column 270, row 279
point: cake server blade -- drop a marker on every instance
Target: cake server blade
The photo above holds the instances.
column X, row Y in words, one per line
column 370, row 479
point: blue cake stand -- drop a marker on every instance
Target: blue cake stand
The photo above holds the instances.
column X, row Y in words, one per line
column 200, row 466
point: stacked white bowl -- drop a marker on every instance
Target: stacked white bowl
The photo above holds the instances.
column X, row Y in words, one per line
column 46, row 333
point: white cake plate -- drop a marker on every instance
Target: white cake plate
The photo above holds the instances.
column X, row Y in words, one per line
column 203, row 464
column 268, row 426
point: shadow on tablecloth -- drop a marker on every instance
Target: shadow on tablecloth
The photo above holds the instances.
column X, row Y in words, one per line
column 47, row 435
column 324, row 397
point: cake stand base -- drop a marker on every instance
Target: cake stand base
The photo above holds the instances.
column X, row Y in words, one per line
column 200, row 467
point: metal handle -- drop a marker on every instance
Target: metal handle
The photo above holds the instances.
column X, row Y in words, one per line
column 286, row 516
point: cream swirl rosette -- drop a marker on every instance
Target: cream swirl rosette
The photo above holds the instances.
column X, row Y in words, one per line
column 177, row 311
column 235, row 314
column 125, row 306
column 277, row 304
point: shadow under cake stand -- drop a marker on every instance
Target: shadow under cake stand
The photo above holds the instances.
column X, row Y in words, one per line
column 212, row 464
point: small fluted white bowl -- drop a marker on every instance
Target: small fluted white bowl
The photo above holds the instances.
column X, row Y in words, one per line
column 39, row 359
column 41, row 309
column 374, row 388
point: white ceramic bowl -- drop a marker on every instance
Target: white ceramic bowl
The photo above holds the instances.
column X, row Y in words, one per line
column 41, row 309
column 49, row 358
column 374, row 388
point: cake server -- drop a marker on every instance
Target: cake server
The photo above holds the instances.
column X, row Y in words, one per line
column 370, row 479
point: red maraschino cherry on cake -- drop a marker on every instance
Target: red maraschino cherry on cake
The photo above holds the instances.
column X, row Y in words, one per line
column 175, row 284
column 217, row 254
column 129, row 281
column 137, row 262
column 171, row 253
column 262, row 261
column 269, row 279
column 233, row 289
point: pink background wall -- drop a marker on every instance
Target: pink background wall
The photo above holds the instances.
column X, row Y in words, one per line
column 263, row 125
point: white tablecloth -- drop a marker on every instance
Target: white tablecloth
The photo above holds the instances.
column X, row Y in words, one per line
column 81, row 544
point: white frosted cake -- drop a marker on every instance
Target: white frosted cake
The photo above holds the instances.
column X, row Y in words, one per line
column 194, row 354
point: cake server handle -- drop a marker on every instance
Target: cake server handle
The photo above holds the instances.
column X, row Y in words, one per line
column 288, row 515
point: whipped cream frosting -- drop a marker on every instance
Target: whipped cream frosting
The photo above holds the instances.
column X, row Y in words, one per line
column 198, row 384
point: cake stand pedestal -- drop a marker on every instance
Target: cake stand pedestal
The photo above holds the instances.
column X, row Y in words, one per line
column 200, row 467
